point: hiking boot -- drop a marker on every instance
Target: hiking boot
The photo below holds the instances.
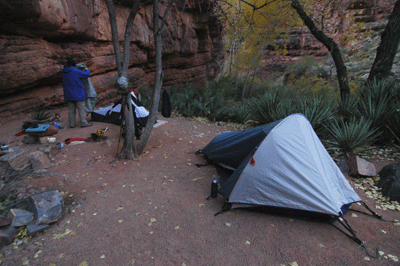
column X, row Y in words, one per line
column 87, row 125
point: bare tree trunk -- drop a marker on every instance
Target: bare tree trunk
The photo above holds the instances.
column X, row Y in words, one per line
column 388, row 47
column 128, row 149
column 157, row 30
column 114, row 33
column 253, row 66
column 333, row 48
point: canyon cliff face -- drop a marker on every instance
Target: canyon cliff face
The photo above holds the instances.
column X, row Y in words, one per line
column 37, row 37
column 371, row 14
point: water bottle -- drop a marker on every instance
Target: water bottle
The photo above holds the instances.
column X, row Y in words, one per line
column 62, row 145
column 214, row 187
column 56, row 125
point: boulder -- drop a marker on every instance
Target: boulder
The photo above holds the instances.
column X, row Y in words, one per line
column 20, row 217
column 390, row 181
column 46, row 206
column 361, row 167
column 7, row 235
column 17, row 160
column 40, row 162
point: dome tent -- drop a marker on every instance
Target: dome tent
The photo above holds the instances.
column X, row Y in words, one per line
column 282, row 166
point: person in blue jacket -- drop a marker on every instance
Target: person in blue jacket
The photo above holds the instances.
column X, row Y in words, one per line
column 74, row 92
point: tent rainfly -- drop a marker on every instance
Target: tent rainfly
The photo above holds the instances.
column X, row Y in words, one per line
column 282, row 165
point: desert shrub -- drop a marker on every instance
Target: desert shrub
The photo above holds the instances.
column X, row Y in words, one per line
column 348, row 136
column 378, row 102
column 191, row 103
column 318, row 110
column 40, row 114
column 271, row 107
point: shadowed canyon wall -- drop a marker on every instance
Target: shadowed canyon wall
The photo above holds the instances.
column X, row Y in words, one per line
column 371, row 14
column 37, row 37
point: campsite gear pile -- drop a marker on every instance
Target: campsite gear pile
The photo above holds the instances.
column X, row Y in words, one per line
column 114, row 114
column 282, row 167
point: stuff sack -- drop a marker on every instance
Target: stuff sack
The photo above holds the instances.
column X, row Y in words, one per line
column 166, row 104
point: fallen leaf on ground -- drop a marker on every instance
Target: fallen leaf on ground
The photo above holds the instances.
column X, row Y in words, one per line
column 394, row 258
column 37, row 254
column 25, row 261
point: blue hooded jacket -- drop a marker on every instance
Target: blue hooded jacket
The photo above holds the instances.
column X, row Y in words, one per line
column 72, row 83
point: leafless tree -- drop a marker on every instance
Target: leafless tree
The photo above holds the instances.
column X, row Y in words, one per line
column 129, row 149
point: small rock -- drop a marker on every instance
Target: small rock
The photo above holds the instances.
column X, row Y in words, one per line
column 34, row 229
column 46, row 206
column 20, row 217
column 359, row 166
column 40, row 162
column 343, row 166
column 4, row 221
column 7, row 235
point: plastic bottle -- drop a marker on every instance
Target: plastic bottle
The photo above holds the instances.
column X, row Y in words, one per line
column 62, row 145
column 56, row 125
column 214, row 187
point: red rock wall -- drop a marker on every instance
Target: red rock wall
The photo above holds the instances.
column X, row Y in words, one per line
column 37, row 36
column 372, row 13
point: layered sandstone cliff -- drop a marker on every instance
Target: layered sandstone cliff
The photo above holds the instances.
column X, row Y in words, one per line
column 372, row 16
column 37, row 36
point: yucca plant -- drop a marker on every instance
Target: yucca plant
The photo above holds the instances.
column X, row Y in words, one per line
column 347, row 108
column 239, row 114
column 40, row 115
column 347, row 136
column 319, row 112
column 270, row 107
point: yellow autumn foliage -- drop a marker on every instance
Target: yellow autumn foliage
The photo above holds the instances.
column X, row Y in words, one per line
column 252, row 25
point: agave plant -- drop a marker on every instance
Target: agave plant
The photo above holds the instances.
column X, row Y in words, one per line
column 347, row 136
column 270, row 107
column 40, row 115
column 318, row 110
column 239, row 114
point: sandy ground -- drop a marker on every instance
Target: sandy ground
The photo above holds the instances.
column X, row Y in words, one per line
column 153, row 210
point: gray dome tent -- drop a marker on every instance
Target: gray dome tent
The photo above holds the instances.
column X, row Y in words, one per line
column 281, row 165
